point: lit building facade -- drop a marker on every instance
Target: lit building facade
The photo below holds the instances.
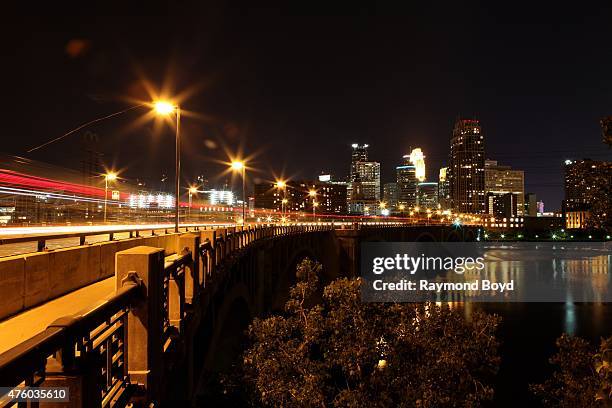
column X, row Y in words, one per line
column 427, row 195
column 363, row 189
column 500, row 181
column 406, row 183
column 390, row 194
column 466, row 167
column 330, row 197
column 444, row 189
column 585, row 182
column 584, row 179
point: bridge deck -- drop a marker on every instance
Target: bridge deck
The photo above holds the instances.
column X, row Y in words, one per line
column 25, row 325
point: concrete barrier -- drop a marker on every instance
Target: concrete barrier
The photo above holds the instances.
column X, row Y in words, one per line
column 32, row 279
column 12, row 285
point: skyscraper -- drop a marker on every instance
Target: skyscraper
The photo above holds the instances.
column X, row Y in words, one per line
column 502, row 180
column 584, row 182
column 406, row 183
column 427, row 195
column 390, row 194
column 364, row 185
column 358, row 154
column 444, row 189
column 417, row 159
column 466, row 167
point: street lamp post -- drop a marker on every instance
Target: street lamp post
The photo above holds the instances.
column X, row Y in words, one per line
column 313, row 195
column 240, row 166
column 165, row 108
column 192, row 190
column 107, row 177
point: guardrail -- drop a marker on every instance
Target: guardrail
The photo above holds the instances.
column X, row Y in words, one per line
column 92, row 351
column 134, row 232
column 90, row 345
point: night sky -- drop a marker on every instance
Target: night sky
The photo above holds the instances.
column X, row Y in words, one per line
column 296, row 91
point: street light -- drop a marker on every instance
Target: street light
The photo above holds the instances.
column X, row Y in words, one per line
column 166, row 108
column 241, row 167
column 282, row 185
column 107, row 177
column 313, row 195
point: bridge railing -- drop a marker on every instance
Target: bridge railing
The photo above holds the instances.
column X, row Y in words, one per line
column 127, row 343
column 89, row 347
column 42, row 240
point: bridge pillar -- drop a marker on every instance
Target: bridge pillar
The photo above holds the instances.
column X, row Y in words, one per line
column 208, row 268
column 191, row 243
column 145, row 321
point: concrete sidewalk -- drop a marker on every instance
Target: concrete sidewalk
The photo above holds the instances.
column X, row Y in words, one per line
column 25, row 325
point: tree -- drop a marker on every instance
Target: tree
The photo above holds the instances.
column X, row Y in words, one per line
column 342, row 352
column 582, row 377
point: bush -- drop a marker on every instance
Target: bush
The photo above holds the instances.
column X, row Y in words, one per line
column 342, row 352
column 582, row 377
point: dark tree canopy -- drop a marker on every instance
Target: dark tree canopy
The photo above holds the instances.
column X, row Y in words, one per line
column 345, row 353
column 582, row 376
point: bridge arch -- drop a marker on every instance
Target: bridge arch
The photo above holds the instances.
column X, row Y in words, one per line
column 425, row 237
column 232, row 318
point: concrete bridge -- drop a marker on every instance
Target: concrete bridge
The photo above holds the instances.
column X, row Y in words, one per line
column 179, row 305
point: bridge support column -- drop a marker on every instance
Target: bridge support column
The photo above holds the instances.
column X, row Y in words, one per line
column 208, row 265
column 191, row 242
column 145, row 321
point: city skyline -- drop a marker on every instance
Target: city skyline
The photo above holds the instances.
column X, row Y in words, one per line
column 306, row 95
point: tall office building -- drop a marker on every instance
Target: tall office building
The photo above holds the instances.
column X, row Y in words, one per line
column 406, row 183
column 363, row 190
column 390, row 194
column 502, row 180
column 584, row 181
column 427, row 195
column 444, row 189
column 358, row 154
column 466, row 167
column 417, row 159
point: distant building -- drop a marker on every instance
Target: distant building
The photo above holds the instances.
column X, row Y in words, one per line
column 331, row 198
column 576, row 219
column 466, row 167
column 406, row 183
column 584, row 179
column 502, row 205
column 417, row 159
column 530, row 205
column 364, row 180
column 585, row 182
column 502, row 180
column 444, row 198
column 427, row 195
column 390, row 195
column 220, row 197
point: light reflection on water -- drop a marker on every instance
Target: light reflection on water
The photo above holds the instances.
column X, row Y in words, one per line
column 528, row 330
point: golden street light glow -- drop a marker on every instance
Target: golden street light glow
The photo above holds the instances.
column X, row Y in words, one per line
column 110, row 176
column 315, row 204
column 402, row 207
column 193, row 190
column 285, row 201
column 280, row 184
column 237, row 165
column 312, row 193
column 163, row 107
column 383, row 205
